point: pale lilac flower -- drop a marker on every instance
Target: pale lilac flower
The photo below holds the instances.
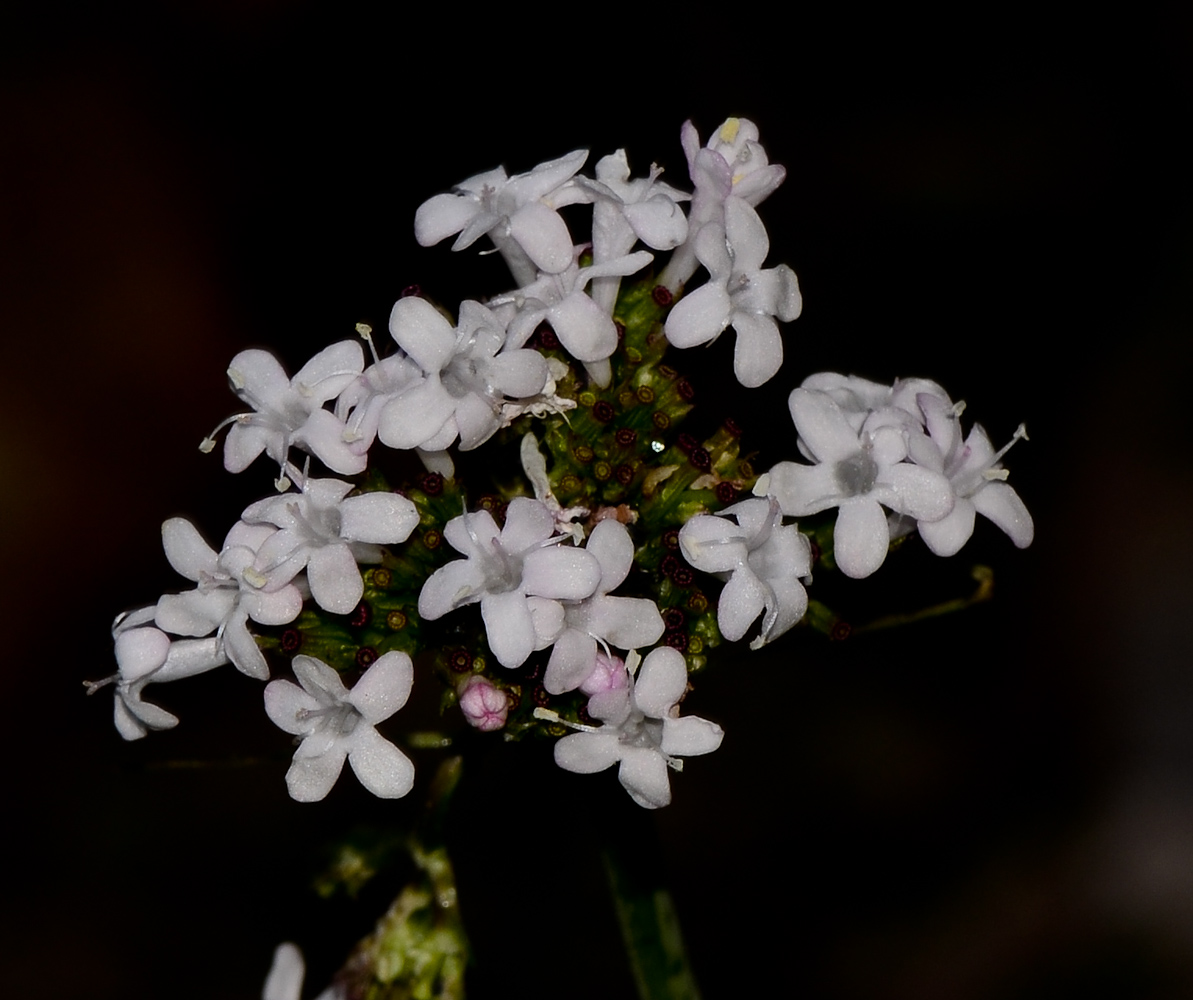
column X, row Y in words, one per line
column 485, row 706
column 148, row 656
column 518, row 575
column 224, row 601
column 625, row 211
column 467, row 374
column 601, row 621
column 976, row 475
column 337, row 725
column 326, row 532
column 642, row 732
column 762, row 562
column 518, row 213
column 586, row 331
column 732, row 166
column 858, row 473
column 359, row 406
column 289, row 412
column 738, row 293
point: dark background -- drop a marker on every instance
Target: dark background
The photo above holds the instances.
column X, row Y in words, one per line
column 994, row 805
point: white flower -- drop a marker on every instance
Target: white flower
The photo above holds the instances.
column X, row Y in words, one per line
column 975, row 472
column 761, row 561
column 857, row 473
column 224, row 600
column 145, row 656
column 286, row 974
column 327, row 533
column 467, row 374
column 289, row 412
column 518, row 213
column 359, row 406
column 601, row 620
column 518, row 574
column 586, row 331
column 337, row 725
column 642, row 731
column 732, row 166
column 738, row 294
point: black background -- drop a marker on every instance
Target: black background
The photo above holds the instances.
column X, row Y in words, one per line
column 995, row 805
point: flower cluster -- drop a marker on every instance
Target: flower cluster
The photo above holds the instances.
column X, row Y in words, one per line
column 599, row 553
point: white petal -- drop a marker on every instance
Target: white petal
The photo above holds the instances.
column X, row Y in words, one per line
column 285, row 975
column 699, row 316
column 822, row 425
column 284, row 702
column 583, row 328
column 860, row 538
column 625, row 622
column 713, row 544
column 543, row 234
column 946, row 536
column 384, row 687
column 758, row 354
column 439, row 217
column 186, row 550
column 311, row 778
column 587, row 753
column 560, row 572
column 690, row 736
column 661, row 682
column 741, row 602
column 381, row 767
column 1001, row 504
column 508, row 627
column 379, row 517
column 335, row 579
column 422, row 332
column 141, row 651
column 573, row 658
column 242, row 648
column 643, row 773
column 458, row 583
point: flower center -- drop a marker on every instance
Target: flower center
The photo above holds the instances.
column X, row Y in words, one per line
column 856, row 474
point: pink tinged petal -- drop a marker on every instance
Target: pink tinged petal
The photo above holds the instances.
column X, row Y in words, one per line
column 518, row 373
column 585, row 330
column 414, row 418
column 662, row 680
column 1001, row 504
column 186, row 550
column 573, row 658
column 242, row 648
column 384, row 687
column 946, row 536
column 803, row 489
column 742, row 600
column 127, row 724
column 915, row 491
column 713, row 544
column 758, row 354
column 379, row 517
column 476, row 420
column 626, row 622
column 528, row 523
column 277, row 608
column 690, row 736
column 610, row 544
column 285, row 702
column 261, row 374
column 195, row 613
column 449, row 587
column 785, row 607
column 587, row 753
column 329, row 372
column 560, row 572
column 245, row 441
column 548, row 619
column 822, row 425
column 658, row 222
column 141, row 651
column 759, row 185
column 422, row 332
column 508, row 627
column 860, row 538
column 439, row 217
column 323, row 436
column 643, row 773
column 746, row 234
column 546, row 177
column 543, row 234
column 319, row 680
column 699, row 316
column 135, row 716
column 379, row 765
column 311, row 778
column 335, row 579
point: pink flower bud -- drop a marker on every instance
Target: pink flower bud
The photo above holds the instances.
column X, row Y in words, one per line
column 484, row 705
column 609, row 674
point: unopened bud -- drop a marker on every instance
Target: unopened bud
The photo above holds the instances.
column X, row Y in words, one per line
column 484, row 705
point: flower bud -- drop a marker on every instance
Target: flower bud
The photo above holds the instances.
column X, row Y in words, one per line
column 609, row 674
column 484, row 705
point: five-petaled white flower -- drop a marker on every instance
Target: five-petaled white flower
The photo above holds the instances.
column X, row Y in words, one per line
column 326, row 532
column 761, row 561
column 289, row 412
column 642, row 731
column 337, row 725
column 518, row 574
column 858, row 474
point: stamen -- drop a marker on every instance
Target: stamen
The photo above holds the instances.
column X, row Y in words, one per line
column 93, row 686
column 547, row 715
column 208, row 443
column 1020, row 432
